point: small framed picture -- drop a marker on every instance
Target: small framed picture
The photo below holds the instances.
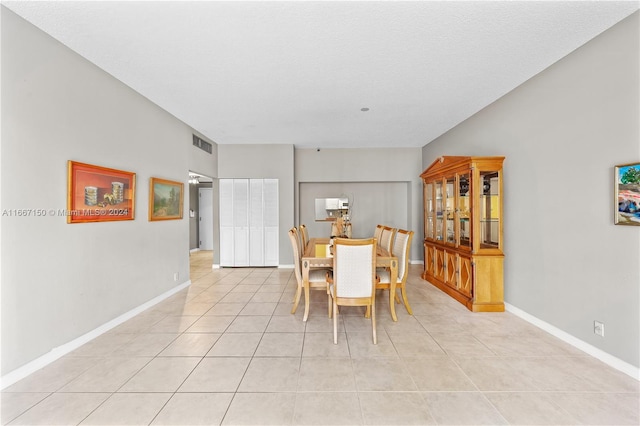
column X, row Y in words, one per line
column 627, row 194
column 99, row 194
column 165, row 199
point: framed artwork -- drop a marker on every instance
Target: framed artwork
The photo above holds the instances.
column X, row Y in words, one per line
column 627, row 194
column 165, row 199
column 99, row 194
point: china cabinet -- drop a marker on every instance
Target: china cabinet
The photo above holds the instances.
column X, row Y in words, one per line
column 463, row 230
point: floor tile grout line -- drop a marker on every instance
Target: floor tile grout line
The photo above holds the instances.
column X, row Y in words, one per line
column 96, row 408
column 29, row 408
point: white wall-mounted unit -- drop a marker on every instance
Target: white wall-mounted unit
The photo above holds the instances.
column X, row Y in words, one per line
column 249, row 222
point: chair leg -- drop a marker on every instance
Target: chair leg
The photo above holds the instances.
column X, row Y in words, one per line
column 367, row 313
column 296, row 299
column 335, row 323
column 329, row 304
column 373, row 323
column 406, row 301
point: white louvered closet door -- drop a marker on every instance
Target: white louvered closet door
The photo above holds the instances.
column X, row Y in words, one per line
column 249, row 222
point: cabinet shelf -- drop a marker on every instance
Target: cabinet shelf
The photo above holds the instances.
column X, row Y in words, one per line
column 488, row 245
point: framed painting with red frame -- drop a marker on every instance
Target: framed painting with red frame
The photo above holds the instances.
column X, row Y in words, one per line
column 99, row 194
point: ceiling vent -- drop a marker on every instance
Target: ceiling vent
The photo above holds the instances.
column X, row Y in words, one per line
column 202, row 144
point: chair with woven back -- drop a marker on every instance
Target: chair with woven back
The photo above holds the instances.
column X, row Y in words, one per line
column 378, row 233
column 304, row 237
column 387, row 234
column 317, row 277
column 386, row 237
column 354, row 278
column 401, row 248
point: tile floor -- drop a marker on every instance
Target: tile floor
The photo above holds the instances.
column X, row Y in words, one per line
column 227, row 351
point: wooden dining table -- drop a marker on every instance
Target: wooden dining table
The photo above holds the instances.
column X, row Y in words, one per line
column 317, row 255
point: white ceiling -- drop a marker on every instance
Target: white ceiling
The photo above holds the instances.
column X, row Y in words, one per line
column 300, row 72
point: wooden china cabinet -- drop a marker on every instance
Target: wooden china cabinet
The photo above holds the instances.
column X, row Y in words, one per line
column 463, row 230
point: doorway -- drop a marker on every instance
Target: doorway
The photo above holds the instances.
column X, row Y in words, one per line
column 201, row 209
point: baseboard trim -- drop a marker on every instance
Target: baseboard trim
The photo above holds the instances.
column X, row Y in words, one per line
column 416, row 262
column 608, row 359
column 58, row 352
column 286, row 266
column 215, row 266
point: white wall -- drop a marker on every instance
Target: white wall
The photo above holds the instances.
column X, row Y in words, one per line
column 206, row 164
column 294, row 167
column 201, row 161
column 562, row 132
column 59, row 280
column 365, row 165
column 372, row 203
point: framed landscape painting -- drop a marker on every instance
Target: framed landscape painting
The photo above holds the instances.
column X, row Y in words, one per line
column 165, row 199
column 627, row 194
column 99, row 194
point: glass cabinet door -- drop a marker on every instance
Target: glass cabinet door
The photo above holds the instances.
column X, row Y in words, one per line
column 439, row 217
column 464, row 209
column 450, row 210
column 428, row 210
column 489, row 209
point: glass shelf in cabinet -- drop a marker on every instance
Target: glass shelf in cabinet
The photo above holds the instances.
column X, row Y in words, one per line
column 490, row 245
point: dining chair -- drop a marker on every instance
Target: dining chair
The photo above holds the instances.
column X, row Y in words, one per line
column 304, row 237
column 386, row 242
column 317, row 277
column 298, row 238
column 401, row 247
column 386, row 237
column 354, row 278
column 378, row 233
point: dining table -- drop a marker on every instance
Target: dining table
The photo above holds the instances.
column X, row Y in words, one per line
column 317, row 254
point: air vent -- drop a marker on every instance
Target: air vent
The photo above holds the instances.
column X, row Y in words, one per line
column 202, row 144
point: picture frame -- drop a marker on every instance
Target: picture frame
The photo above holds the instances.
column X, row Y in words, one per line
column 166, row 198
column 99, row 194
column 627, row 194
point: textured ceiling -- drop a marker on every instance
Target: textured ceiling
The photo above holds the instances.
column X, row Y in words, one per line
column 300, row 72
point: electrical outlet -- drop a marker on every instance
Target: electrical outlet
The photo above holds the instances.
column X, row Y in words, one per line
column 598, row 328
column 176, row 276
